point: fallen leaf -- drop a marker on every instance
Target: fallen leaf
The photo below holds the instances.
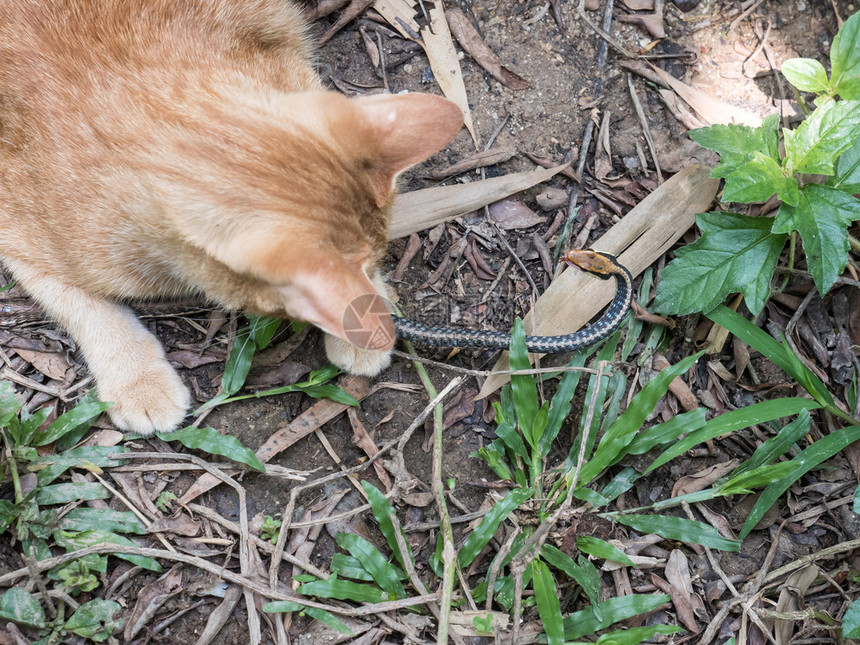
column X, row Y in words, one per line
column 51, row 364
column 177, row 524
column 150, row 599
column 362, row 438
column 551, row 198
column 412, row 247
column 603, row 151
column 189, row 360
column 470, row 40
column 511, row 214
column 652, row 22
column 702, row 479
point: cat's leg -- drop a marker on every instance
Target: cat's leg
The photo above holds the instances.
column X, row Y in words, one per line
column 356, row 360
column 128, row 362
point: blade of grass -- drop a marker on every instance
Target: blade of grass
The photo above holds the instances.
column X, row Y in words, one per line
column 820, row 451
column 522, row 385
column 735, row 420
column 777, row 352
column 586, row 622
column 548, row 606
column 778, row 445
column 383, row 572
column 614, row 443
column 679, row 528
column 344, row 590
column 388, row 522
column 81, row 415
column 484, row 532
column 284, row 606
column 582, row 572
column 602, row 549
column 211, row 441
column 667, row 432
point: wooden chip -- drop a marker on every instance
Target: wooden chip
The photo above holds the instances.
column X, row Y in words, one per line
column 423, row 209
column 479, row 160
column 639, row 239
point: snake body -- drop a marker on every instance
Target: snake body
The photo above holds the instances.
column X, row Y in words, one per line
column 601, row 265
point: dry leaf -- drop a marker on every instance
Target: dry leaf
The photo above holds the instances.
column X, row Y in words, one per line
column 652, row 22
column 639, row 5
column 603, row 151
column 644, row 234
column 551, row 198
column 51, row 364
column 702, row 479
column 511, row 214
column 150, row 599
column 470, row 40
column 423, row 209
column 178, row 524
column 189, row 360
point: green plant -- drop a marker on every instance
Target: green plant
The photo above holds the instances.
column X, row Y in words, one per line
column 255, row 336
column 270, row 529
column 33, row 519
column 739, row 253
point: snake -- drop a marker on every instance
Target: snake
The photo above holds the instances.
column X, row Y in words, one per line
column 601, row 265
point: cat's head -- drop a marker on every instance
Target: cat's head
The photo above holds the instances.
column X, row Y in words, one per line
column 312, row 243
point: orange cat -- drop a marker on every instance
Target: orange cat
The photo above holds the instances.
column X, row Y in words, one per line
column 160, row 148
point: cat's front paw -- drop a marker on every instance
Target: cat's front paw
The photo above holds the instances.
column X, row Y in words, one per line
column 355, row 360
column 146, row 399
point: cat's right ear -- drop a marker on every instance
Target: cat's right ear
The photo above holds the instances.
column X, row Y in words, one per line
column 407, row 129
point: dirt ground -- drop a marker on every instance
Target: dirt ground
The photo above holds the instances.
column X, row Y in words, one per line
column 715, row 46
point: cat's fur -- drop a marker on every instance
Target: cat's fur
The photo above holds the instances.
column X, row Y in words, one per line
column 153, row 148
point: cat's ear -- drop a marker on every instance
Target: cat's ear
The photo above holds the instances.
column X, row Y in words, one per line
column 341, row 300
column 407, row 128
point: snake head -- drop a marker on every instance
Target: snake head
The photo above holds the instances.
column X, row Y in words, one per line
column 601, row 265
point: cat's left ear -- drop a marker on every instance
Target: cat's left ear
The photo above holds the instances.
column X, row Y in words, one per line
column 408, row 128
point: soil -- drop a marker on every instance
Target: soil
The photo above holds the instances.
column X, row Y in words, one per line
column 706, row 47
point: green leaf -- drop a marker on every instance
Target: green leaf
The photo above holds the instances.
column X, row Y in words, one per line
column 522, row 385
column 20, row 607
column 346, row 566
column 613, row 445
column 736, row 254
column 72, row 541
column 95, row 620
column 80, row 421
column 389, row 525
column 559, row 407
column 548, row 605
column 494, row 455
column 105, row 519
column 821, row 216
column 583, row 572
column 746, row 482
column 239, row 362
column 678, row 528
column 10, row 404
column 262, row 329
column 636, row 635
column 29, row 425
column 736, row 144
column 807, row 75
column 50, row 467
column 845, row 59
column 851, row 620
column 383, row 572
column 586, row 622
column 757, row 180
column 847, row 177
column 602, row 549
column 667, row 432
column 780, row 353
column 622, row 482
column 211, row 441
column 344, row 590
column 778, row 445
column 8, row 514
column 484, row 532
column 325, row 617
column 821, row 138
column 735, row 420
column 857, row 501
column 820, row 451
column 70, row 492
column 82, row 414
